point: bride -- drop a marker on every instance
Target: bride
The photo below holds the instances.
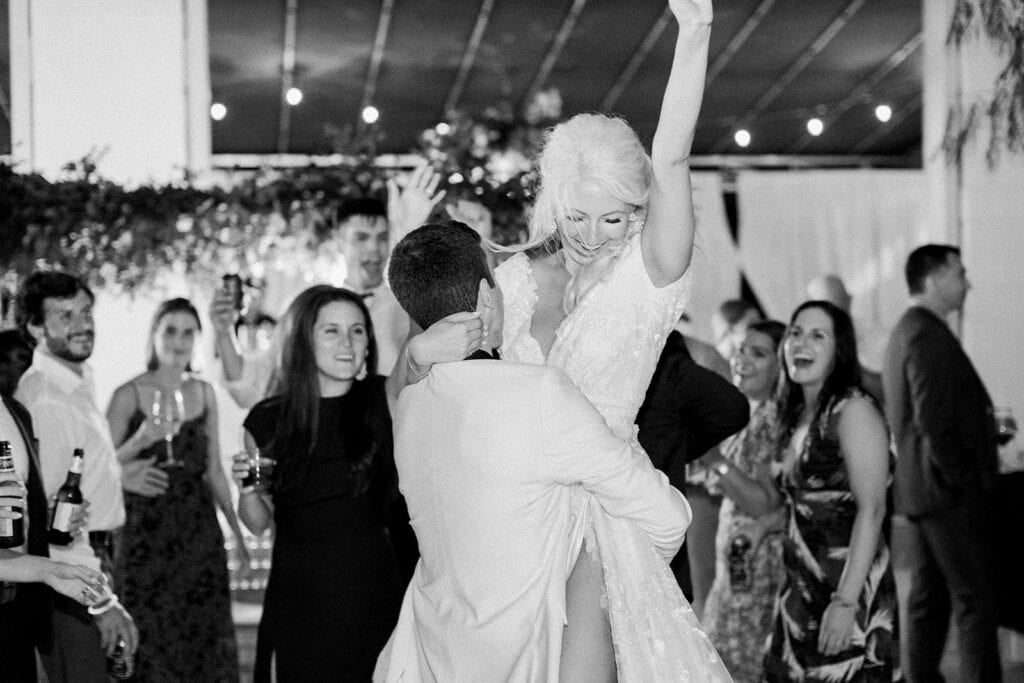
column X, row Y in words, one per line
column 611, row 237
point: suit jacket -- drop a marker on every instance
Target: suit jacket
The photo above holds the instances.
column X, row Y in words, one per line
column 941, row 418
column 31, row 608
column 488, row 452
column 688, row 410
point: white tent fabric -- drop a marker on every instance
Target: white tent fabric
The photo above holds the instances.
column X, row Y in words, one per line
column 857, row 224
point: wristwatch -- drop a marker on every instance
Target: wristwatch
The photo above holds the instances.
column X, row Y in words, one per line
column 721, row 468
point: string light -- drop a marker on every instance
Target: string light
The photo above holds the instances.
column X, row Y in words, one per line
column 742, row 137
column 815, row 126
column 442, row 128
column 371, row 114
column 293, row 96
column 218, row 111
column 883, row 113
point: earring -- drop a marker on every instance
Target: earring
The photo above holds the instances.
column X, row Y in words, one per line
column 361, row 375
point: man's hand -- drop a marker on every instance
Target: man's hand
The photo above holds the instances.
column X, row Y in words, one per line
column 408, row 209
column 116, row 623
column 144, row 478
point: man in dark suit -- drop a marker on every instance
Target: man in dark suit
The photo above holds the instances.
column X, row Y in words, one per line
column 946, row 474
column 687, row 411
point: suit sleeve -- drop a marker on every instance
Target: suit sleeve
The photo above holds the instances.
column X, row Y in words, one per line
column 931, row 379
column 583, row 450
column 687, row 411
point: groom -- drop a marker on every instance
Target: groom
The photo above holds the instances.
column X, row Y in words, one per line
column 487, row 453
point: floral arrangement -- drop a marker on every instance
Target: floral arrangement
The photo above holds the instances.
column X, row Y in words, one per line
column 129, row 238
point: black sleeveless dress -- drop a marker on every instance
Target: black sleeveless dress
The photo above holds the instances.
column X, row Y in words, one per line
column 334, row 593
column 174, row 572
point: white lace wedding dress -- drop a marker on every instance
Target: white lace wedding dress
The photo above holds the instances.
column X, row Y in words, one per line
column 609, row 346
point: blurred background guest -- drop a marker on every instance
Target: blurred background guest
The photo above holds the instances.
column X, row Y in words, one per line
column 172, row 562
column 836, row 616
column 730, row 322
column 334, row 590
column 748, row 549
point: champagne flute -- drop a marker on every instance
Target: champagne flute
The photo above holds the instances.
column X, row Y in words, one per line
column 172, row 412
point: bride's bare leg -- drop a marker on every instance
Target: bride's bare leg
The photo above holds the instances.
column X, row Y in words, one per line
column 587, row 652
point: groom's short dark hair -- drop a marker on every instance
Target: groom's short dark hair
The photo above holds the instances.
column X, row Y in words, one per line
column 436, row 271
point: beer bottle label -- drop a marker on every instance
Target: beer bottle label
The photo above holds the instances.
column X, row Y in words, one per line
column 6, row 528
column 62, row 516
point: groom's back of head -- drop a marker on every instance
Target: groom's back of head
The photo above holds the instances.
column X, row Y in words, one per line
column 436, row 271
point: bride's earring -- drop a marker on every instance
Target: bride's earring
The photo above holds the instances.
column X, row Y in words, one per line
column 361, row 375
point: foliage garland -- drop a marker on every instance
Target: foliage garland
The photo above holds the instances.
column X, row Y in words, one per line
column 111, row 235
column 1003, row 22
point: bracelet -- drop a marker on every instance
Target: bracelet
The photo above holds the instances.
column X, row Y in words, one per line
column 840, row 601
column 105, row 606
column 412, row 368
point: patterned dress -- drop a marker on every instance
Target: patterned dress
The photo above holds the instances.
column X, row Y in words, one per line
column 821, row 515
column 609, row 345
column 174, row 570
column 739, row 612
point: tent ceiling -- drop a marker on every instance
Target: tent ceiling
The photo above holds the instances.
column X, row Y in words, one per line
column 773, row 64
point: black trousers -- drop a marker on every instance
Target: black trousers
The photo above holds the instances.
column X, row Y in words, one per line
column 944, row 565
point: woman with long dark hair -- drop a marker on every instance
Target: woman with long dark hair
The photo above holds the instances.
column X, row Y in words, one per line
column 835, row 620
column 334, row 593
column 172, row 561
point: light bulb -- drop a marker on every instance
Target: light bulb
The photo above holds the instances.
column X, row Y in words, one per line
column 218, row 111
column 371, row 114
column 742, row 137
column 442, row 128
column 883, row 113
column 293, row 96
column 815, row 126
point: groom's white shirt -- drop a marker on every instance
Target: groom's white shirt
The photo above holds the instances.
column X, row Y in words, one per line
column 487, row 452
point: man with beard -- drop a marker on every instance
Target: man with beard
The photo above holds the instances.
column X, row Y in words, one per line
column 59, row 393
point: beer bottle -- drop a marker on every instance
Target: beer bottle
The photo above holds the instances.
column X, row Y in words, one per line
column 69, row 500
column 12, row 531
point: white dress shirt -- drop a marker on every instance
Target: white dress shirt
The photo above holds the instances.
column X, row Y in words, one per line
column 65, row 417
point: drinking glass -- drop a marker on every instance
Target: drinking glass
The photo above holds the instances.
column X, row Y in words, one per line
column 168, row 411
column 1006, row 425
column 260, row 469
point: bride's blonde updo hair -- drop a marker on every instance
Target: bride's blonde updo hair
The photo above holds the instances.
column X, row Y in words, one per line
column 588, row 148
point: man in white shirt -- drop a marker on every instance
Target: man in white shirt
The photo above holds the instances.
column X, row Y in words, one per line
column 363, row 231
column 488, row 453
column 59, row 393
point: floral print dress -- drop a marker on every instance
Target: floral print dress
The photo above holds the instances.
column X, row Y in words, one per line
column 822, row 510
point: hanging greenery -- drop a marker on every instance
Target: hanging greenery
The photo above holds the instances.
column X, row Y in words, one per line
column 1003, row 22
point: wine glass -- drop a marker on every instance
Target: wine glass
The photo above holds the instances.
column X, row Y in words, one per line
column 1006, row 425
column 168, row 411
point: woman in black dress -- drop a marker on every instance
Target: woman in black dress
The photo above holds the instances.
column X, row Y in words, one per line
column 334, row 593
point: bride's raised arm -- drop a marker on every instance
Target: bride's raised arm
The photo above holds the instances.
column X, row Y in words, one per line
column 667, row 239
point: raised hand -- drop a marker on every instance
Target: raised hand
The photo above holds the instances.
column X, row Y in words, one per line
column 692, row 12
column 409, row 208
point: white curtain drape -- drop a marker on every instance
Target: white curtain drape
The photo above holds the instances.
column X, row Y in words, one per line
column 857, row 224
column 715, row 262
